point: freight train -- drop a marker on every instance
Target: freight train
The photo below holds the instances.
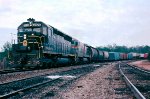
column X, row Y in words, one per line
column 42, row 45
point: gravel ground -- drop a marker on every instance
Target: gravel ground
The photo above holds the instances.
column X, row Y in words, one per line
column 145, row 64
column 104, row 83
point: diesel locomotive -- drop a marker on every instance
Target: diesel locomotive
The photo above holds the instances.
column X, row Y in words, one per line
column 42, row 45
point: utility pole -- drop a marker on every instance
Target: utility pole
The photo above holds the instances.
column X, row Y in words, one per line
column 12, row 38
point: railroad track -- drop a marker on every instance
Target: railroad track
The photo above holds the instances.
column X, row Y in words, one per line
column 137, row 79
column 12, row 89
column 24, row 70
column 14, row 71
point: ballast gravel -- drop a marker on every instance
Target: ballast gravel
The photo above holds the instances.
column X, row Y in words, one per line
column 104, row 83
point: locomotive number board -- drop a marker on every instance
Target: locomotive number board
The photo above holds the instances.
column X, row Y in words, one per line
column 33, row 24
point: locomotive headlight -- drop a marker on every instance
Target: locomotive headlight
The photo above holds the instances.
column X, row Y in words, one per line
column 25, row 43
column 25, row 36
column 32, row 34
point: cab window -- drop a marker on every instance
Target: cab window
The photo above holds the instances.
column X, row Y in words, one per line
column 45, row 30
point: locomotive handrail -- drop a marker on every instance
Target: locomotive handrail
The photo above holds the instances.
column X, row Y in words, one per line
column 136, row 92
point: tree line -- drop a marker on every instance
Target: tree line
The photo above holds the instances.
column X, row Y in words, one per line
column 125, row 49
column 110, row 48
column 5, row 50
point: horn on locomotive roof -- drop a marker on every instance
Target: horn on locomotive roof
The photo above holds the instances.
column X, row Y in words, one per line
column 31, row 20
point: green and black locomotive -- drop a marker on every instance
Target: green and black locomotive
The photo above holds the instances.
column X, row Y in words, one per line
column 41, row 45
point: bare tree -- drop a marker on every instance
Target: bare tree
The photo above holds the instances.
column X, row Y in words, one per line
column 7, row 47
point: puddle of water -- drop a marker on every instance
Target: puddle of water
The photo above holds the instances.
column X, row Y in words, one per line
column 58, row 76
column 69, row 76
column 54, row 77
column 96, row 65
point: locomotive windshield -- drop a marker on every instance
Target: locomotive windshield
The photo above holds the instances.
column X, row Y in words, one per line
column 28, row 26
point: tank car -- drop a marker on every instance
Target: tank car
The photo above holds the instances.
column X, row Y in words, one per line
column 105, row 55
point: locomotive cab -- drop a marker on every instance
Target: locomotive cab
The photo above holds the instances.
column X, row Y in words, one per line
column 31, row 35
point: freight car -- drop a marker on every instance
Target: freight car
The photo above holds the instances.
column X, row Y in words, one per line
column 129, row 56
column 145, row 55
column 135, row 55
column 114, row 56
column 42, row 45
column 105, row 56
column 121, row 56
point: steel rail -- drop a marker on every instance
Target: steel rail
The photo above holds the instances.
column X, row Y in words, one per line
column 81, row 66
column 140, row 69
column 32, row 86
column 29, row 87
column 8, row 71
column 13, row 71
column 37, row 76
column 24, row 89
column 136, row 92
column 23, row 79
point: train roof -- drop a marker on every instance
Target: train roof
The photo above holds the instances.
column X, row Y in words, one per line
column 67, row 37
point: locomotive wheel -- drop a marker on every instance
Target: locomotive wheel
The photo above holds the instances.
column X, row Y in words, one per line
column 45, row 65
column 49, row 65
column 41, row 65
column 54, row 64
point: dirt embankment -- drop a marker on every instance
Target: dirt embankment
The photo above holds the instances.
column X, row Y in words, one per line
column 145, row 64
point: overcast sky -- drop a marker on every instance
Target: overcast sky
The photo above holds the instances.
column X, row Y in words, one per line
column 95, row 22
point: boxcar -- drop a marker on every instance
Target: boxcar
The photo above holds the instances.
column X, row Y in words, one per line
column 141, row 56
column 113, row 56
column 121, row 56
column 129, row 56
column 124, row 56
column 135, row 55
column 145, row 55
